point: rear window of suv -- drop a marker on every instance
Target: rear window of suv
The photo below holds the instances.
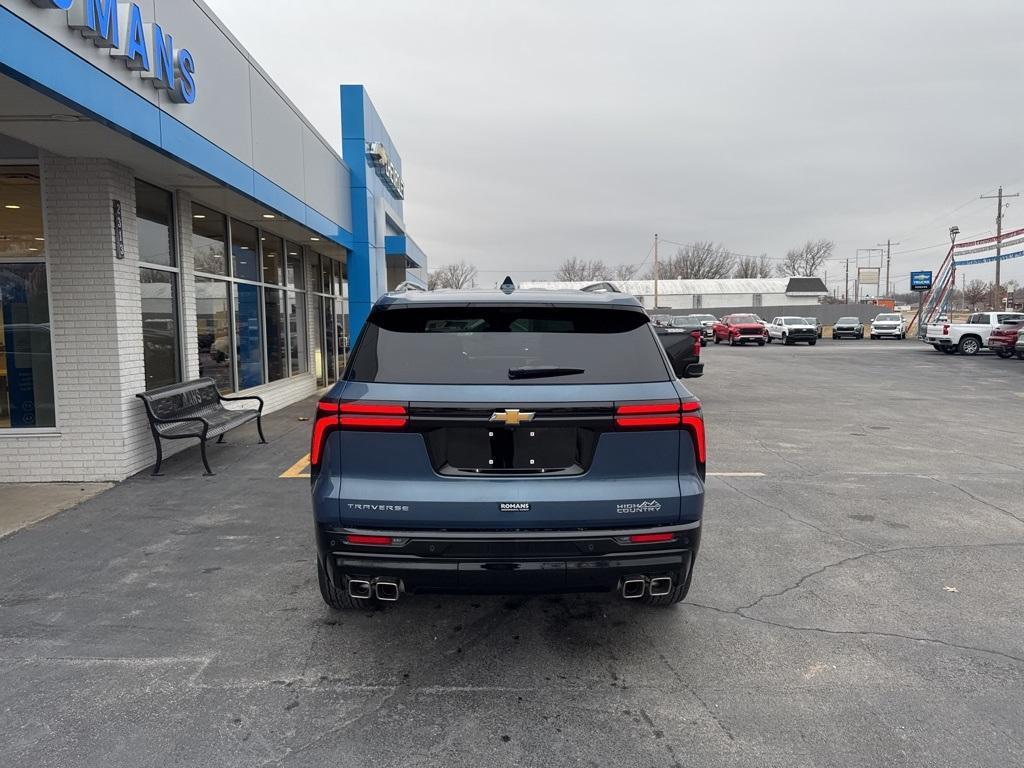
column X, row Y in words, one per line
column 481, row 345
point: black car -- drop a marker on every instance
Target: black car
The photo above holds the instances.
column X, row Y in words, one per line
column 682, row 341
column 848, row 328
column 708, row 324
column 816, row 323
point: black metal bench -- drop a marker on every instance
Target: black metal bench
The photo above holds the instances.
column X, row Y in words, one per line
column 194, row 409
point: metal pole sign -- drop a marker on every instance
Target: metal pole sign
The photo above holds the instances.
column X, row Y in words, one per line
column 118, row 231
column 921, row 281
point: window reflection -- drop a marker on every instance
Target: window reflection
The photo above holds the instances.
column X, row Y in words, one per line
column 213, row 326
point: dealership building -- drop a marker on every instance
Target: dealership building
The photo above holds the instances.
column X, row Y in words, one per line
column 167, row 213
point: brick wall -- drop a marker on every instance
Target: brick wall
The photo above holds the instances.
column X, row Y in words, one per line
column 96, row 322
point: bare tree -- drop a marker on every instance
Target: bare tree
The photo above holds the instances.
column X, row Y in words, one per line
column 806, row 260
column 454, row 275
column 625, row 271
column 697, row 261
column 975, row 292
column 574, row 270
column 753, row 266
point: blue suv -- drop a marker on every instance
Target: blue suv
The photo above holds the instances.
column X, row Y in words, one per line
column 507, row 441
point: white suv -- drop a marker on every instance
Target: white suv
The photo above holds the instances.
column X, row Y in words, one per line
column 889, row 325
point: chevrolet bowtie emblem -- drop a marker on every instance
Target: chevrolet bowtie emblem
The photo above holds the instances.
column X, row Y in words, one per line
column 512, row 417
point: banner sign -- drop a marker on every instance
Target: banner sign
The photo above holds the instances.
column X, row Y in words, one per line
column 987, row 259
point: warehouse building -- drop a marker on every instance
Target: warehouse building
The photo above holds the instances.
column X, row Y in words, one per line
column 712, row 294
column 167, row 213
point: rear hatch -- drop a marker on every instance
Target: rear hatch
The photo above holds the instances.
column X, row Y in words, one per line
column 512, row 417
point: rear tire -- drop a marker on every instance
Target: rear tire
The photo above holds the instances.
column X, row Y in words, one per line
column 769, row 339
column 785, row 340
column 938, row 347
column 949, row 350
column 969, row 345
column 1004, row 354
column 337, row 599
column 718, row 339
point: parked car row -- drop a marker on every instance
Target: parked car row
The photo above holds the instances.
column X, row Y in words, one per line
column 1000, row 331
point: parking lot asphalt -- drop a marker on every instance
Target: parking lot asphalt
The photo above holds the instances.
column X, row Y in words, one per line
column 860, row 604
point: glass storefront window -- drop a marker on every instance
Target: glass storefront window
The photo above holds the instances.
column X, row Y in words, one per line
column 330, row 343
column 273, row 259
column 213, row 326
column 154, row 209
column 245, row 244
column 277, row 333
column 296, row 278
column 297, row 332
column 26, row 369
column 249, row 335
column 26, row 363
column 209, row 240
column 160, row 327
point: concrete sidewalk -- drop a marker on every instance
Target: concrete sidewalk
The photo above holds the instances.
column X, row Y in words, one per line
column 22, row 504
column 239, row 462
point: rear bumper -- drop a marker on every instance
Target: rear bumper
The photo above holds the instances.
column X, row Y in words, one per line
column 942, row 341
column 508, row 562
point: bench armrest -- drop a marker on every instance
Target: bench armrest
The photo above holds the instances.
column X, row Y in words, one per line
column 245, row 397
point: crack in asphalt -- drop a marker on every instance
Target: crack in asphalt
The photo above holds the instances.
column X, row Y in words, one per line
column 978, row 499
column 858, row 632
column 779, row 454
column 793, row 517
column 742, row 611
column 852, row 558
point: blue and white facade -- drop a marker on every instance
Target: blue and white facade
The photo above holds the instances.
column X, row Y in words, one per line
column 166, row 212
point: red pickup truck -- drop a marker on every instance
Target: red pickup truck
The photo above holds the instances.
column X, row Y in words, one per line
column 740, row 329
column 1004, row 337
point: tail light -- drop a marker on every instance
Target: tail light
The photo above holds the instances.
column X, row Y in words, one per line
column 686, row 416
column 352, row 415
column 647, row 415
column 369, row 541
column 696, row 341
column 945, row 330
column 650, row 538
column 693, row 422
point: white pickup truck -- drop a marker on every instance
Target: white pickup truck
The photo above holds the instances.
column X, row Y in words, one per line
column 966, row 338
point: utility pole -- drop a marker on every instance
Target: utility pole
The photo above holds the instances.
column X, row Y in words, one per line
column 999, row 238
column 846, row 284
column 888, row 258
column 655, row 271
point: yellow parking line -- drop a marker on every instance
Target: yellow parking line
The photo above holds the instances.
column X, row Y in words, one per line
column 299, row 469
column 736, row 474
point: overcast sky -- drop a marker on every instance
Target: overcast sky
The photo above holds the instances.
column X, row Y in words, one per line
column 531, row 131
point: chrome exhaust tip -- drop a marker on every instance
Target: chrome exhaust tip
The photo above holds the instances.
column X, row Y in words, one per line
column 633, row 588
column 359, row 588
column 386, row 591
column 661, row 585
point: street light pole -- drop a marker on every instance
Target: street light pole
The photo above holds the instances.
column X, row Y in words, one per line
column 655, row 271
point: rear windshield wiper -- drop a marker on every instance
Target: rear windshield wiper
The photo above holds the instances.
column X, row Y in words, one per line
column 541, row 371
